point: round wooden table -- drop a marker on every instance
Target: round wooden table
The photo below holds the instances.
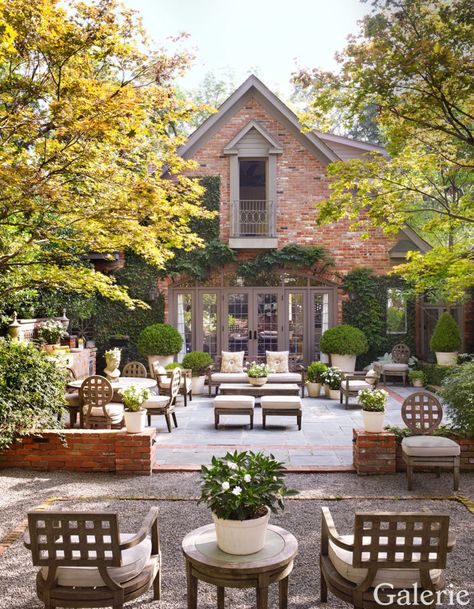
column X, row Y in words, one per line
column 123, row 382
column 206, row 562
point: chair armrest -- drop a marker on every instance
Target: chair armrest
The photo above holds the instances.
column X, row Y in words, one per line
column 329, row 532
column 354, row 376
column 149, row 527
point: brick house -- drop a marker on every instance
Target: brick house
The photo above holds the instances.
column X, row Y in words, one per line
column 271, row 174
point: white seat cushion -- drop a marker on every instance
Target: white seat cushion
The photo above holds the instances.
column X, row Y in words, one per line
column 280, row 402
column 355, row 385
column 229, row 377
column 166, row 383
column 134, row 561
column 399, row 578
column 395, row 367
column 234, row 401
column 156, row 401
column 113, row 409
column 430, row 446
column 284, row 377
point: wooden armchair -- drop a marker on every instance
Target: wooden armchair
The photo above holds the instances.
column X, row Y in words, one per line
column 398, row 549
column 163, row 379
column 399, row 365
column 164, row 405
column 422, row 413
column 353, row 382
column 96, row 394
column 85, row 562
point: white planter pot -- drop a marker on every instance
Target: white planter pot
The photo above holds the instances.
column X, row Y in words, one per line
column 326, row 390
column 314, row 389
column 163, row 359
column 334, row 394
column 417, row 383
column 444, row 358
column 241, row 536
column 197, row 385
column 346, row 363
column 135, row 421
column 258, row 381
column 373, row 421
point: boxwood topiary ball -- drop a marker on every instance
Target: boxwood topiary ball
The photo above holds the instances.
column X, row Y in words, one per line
column 344, row 340
column 159, row 339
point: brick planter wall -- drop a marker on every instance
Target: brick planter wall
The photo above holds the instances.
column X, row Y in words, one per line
column 374, row 453
column 100, row 450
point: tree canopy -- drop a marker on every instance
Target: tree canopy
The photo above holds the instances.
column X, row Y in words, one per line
column 86, row 109
column 412, row 60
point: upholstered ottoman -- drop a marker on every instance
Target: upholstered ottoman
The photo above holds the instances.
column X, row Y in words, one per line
column 233, row 404
column 281, row 405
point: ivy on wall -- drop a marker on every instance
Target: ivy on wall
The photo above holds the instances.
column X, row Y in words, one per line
column 366, row 308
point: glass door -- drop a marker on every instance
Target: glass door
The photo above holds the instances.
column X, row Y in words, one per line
column 321, row 320
column 266, row 334
column 236, row 322
column 296, row 320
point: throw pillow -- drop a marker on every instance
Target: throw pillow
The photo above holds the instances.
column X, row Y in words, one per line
column 278, row 360
column 232, row 362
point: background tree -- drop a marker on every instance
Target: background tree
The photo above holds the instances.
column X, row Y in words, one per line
column 413, row 62
column 86, row 107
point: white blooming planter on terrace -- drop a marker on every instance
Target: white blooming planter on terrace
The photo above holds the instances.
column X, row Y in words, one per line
column 135, row 421
column 373, row 421
column 259, row 381
column 334, row 394
column 241, row 536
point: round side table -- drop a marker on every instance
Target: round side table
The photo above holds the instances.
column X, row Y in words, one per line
column 206, row 562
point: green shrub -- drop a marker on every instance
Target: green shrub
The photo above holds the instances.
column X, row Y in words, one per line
column 197, row 361
column 344, row 340
column 435, row 374
column 417, row 375
column 159, row 339
column 32, row 389
column 173, row 365
column 458, row 393
column 315, row 370
column 446, row 335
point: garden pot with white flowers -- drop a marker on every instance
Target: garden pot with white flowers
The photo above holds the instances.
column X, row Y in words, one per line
column 134, row 415
column 258, row 373
column 373, row 409
column 242, row 489
column 332, row 378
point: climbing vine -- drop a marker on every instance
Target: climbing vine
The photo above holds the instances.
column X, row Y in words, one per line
column 292, row 256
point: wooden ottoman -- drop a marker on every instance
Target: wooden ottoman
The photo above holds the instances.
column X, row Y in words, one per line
column 233, row 404
column 281, row 405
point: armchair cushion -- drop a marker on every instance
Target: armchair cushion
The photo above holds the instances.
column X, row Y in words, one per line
column 278, row 360
column 113, row 409
column 430, row 446
column 232, row 362
column 399, row 578
column 395, row 367
column 355, row 385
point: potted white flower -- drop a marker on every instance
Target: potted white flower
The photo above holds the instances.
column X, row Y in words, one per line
column 258, row 373
column 332, row 378
column 50, row 333
column 373, row 408
column 135, row 416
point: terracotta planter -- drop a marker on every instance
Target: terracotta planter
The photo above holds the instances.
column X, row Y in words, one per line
column 445, row 358
column 261, row 380
column 163, row 359
column 135, row 421
column 197, row 385
column 314, row 389
column 373, row 421
column 417, row 383
column 334, row 394
column 241, row 536
column 345, row 362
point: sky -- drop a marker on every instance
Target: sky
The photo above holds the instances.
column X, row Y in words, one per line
column 268, row 37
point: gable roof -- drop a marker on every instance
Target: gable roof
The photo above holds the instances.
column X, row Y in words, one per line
column 275, row 146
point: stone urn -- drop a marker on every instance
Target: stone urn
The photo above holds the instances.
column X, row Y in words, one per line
column 112, row 359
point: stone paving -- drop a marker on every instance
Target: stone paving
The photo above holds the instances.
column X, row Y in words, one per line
column 324, row 443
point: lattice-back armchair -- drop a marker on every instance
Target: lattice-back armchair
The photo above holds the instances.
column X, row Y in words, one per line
column 85, row 562
column 399, row 549
column 164, row 405
column 135, row 369
column 422, row 413
column 353, row 382
column 163, row 379
column 96, row 395
column 399, row 365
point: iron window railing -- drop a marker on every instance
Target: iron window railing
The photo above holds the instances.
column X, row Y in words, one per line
column 253, row 218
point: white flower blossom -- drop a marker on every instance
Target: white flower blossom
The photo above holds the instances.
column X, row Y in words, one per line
column 236, row 490
column 247, row 477
column 232, row 465
column 225, row 486
column 274, row 478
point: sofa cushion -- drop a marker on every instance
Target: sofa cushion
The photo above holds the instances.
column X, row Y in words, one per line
column 284, row 377
column 115, row 411
column 232, row 362
column 134, row 561
column 278, row 360
column 430, row 446
column 229, row 377
column 280, row 402
column 395, row 367
column 399, row 578
column 234, row 401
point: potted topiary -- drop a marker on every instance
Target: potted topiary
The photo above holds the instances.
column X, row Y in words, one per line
column 344, row 343
column 314, row 372
column 197, row 362
column 332, row 377
column 159, row 342
column 417, row 378
column 373, row 408
column 258, row 373
column 242, row 489
column 135, row 415
column 50, row 333
column 446, row 340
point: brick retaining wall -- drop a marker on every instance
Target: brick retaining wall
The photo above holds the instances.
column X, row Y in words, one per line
column 99, row 450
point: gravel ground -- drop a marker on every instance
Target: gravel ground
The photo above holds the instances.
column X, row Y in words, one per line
column 21, row 491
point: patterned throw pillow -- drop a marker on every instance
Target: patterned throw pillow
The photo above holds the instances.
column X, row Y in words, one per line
column 278, row 360
column 232, row 362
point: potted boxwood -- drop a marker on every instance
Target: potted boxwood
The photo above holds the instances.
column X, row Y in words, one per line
column 50, row 333
column 417, row 378
column 258, row 373
column 135, row 415
column 197, row 362
column 314, row 372
column 446, row 340
column 332, row 377
column 373, row 408
column 344, row 343
column 159, row 342
column 241, row 489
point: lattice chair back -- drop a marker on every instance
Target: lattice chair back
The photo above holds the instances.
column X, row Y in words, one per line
column 136, row 369
column 74, row 539
column 175, row 384
column 401, row 354
column 96, row 391
column 400, row 540
column 422, row 413
column 159, row 372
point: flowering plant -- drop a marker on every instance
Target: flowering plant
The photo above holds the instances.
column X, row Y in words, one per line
column 133, row 398
column 51, row 331
column 258, row 371
column 240, row 486
column 373, row 400
column 333, row 377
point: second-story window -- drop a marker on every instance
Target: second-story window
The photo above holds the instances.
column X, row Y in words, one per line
column 253, row 204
